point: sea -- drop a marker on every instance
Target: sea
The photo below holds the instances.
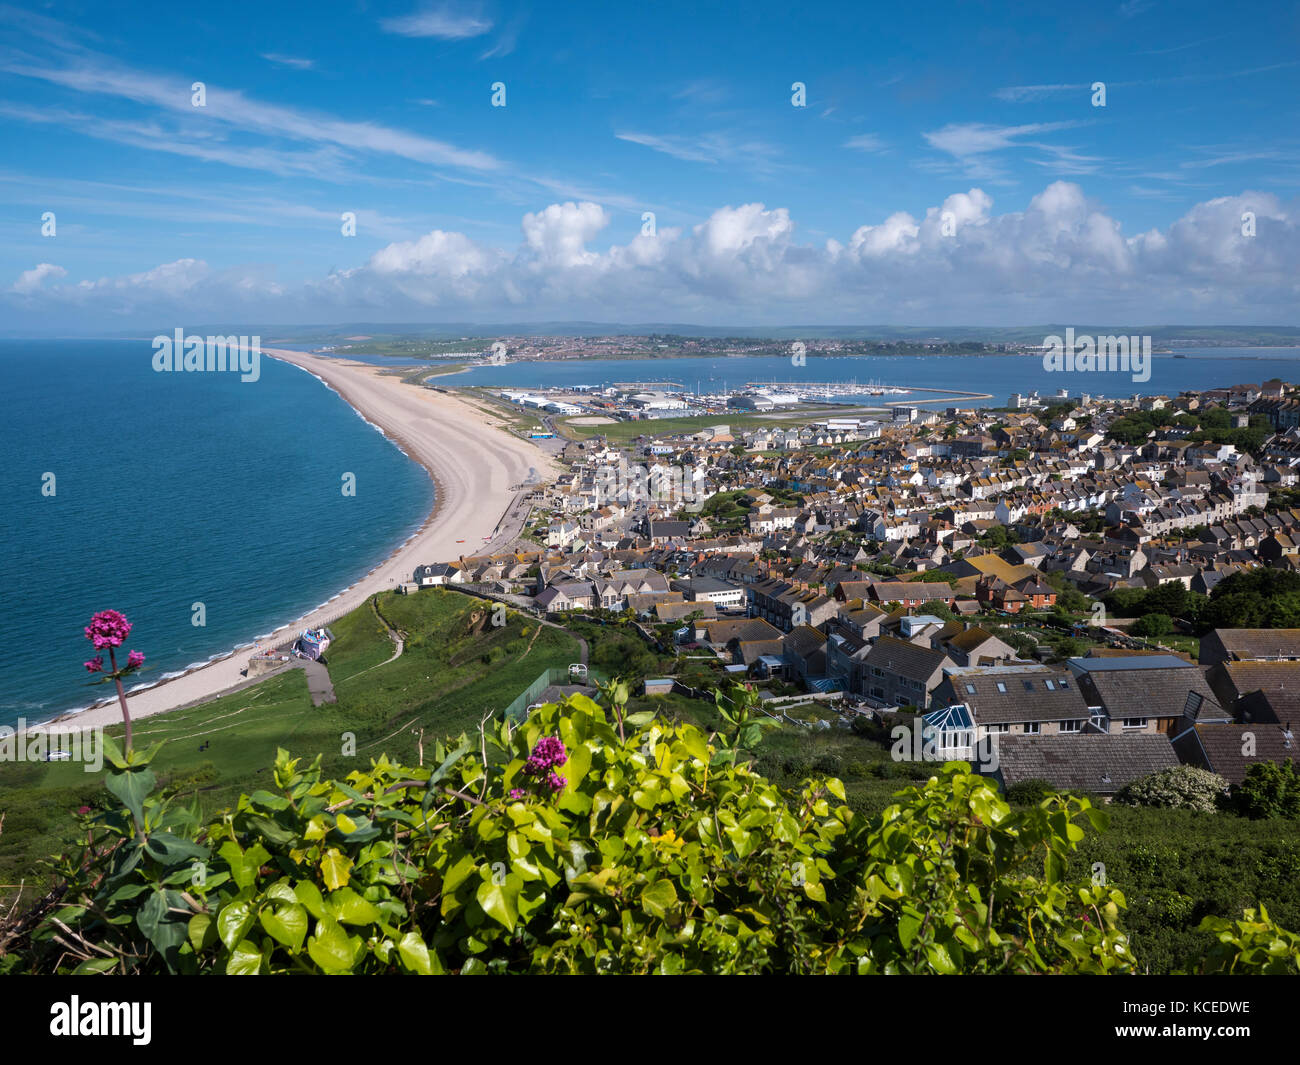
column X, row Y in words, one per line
column 157, row 493
column 997, row 375
column 175, row 498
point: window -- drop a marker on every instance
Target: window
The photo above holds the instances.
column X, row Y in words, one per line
column 877, row 672
column 1002, row 687
column 1029, row 685
column 1051, row 685
column 1135, row 722
column 996, row 730
column 1032, row 728
column 1069, row 726
column 1065, row 683
column 970, row 689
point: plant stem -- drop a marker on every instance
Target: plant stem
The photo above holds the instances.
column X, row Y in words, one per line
column 121, row 698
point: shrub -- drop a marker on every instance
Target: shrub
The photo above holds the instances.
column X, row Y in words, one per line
column 1271, row 789
column 654, row 853
column 1029, row 792
column 1180, row 787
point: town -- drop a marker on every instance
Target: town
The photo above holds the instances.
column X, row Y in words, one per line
column 1042, row 577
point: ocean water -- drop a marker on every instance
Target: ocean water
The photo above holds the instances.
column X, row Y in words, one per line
column 172, row 489
column 997, row 375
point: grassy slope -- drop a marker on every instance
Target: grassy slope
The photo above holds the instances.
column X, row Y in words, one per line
column 441, row 683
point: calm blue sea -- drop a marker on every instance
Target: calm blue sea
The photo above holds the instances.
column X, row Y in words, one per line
column 999, row 375
column 172, row 489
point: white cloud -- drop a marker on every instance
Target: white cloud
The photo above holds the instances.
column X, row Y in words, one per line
column 865, row 142
column 31, row 280
column 1062, row 257
column 441, row 22
column 289, row 61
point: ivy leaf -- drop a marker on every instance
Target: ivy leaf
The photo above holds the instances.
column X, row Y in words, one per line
column 330, row 947
column 286, row 925
column 658, row 897
column 415, row 955
column 233, row 921
column 498, row 904
column 335, row 868
column 346, row 906
column 245, row 960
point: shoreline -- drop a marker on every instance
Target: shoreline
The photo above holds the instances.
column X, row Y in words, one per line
column 473, row 465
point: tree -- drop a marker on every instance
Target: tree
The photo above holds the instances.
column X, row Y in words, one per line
column 1154, row 625
column 1270, row 789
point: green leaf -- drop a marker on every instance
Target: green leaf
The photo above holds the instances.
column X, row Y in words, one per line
column 346, row 906
column 498, row 904
column 131, row 788
column 201, row 931
column 657, row 898
column 330, row 947
column 286, row 925
column 112, row 752
column 415, row 955
column 309, row 895
column 334, row 868
column 233, row 921
column 245, row 960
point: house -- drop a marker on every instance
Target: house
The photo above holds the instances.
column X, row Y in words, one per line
column 804, row 653
column 1257, row 688
column 1230, row 749
column 903, row 674
column 1250, row 645
column 785, row 605
column 722, row 593
column 575, row 595
column 912, row 593
column 435, row 574
column 1146, row 693
column 973, row 646
column 1019, row 700
column 1094, row 764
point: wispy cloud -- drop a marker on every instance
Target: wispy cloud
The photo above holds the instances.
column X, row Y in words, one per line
column 1027, row 93
column 714, row 148
column 971, row 144
column 442, row 22
column 509, row 38
column 289, row 61
column 964, row 139
column 1133, row 8
column 866, row 142
column 1021, row 93
column 234, row 110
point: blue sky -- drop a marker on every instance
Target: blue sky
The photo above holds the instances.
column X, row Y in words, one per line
column 949, row 165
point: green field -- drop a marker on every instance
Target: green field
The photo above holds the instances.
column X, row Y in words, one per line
column 455, row 668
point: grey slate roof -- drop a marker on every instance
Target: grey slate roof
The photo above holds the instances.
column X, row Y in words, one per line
column 1099, row 764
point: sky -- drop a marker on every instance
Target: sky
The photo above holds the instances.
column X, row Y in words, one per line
column 748, row 164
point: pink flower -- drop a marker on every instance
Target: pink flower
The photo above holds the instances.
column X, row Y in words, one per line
column 83, row 810
column 134, row 660
column 95, row 665
column 108, row 628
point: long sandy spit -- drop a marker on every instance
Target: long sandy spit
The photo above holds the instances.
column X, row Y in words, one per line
column 476, row 467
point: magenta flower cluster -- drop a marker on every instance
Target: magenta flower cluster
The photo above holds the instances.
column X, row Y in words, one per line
column 109, row 628
column 541, row 764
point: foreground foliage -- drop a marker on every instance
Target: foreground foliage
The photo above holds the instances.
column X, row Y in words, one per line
column 652, row 849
